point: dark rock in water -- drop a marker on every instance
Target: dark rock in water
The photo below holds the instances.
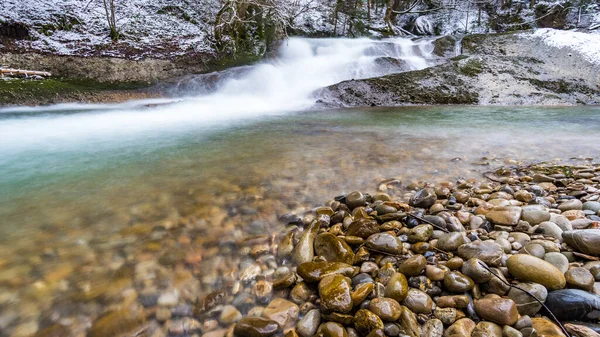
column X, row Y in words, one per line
column 384, row 242
column 423, row 198
column 355, row 199
column 255, row 327
column 586, row 241
column 573, row 304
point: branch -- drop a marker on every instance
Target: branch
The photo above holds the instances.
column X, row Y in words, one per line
column 530, row 294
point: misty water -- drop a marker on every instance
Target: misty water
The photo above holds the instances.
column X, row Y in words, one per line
column 87, row 186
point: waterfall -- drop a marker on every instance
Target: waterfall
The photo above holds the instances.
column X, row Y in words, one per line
column 283, row 84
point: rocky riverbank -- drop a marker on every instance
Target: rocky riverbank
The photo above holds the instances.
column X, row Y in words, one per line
column 433, row 258
column 495, row 69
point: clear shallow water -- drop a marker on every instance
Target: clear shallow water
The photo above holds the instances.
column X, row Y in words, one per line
column 82, row 215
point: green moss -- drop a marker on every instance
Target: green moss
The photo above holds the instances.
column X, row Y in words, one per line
column 561, row 86
column 14, row 90
column 471, row 67
column 444, row 45
column 459, row 57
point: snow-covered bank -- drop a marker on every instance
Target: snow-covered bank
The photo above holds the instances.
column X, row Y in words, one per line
column 161, row 28
column 587, row 44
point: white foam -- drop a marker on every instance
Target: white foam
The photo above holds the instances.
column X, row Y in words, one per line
column 279, row 86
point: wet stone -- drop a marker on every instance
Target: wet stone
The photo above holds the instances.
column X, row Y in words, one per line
column 397, row 287
column 458, row 282
column 332, row 329
column 413, row 266
column 386, row 308
column 498, row 310
column 255, row 327
column 418, row 301
column 308, row 325
column 284, row 312
column 586, row 241
column 363, row 228
column 333, row 249
column 461, row 328
column 315, row 271
column 489, row 252
column 449, row 242
column 504, row 215
column 487, row 329
column 366, row 321
column 580, row 278
column 532, row 269
column 420, row 233
column 334, row 291
column 423, row 198
column 527, row 305
column 384, row 242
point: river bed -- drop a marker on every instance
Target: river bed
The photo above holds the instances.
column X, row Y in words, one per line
column 97, row 220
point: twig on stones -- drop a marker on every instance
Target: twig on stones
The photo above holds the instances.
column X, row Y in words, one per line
column 428, row 222
column 530, row 294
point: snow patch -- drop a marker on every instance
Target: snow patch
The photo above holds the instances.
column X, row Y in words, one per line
column 588, row 45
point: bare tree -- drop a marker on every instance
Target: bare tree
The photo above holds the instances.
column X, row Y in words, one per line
column 109, row 8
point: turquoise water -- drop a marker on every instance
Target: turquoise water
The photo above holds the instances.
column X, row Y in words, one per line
column 97, row 171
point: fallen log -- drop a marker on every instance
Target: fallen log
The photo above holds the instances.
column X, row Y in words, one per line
column 10, row 71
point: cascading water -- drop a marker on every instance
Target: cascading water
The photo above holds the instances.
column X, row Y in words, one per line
column 280, row 85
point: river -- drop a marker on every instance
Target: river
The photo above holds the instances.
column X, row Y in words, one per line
column 97, row 202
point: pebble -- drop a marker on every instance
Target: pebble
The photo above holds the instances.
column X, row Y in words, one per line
column 580, row 278
column 532, row 269
column 558, row 260
column 498, row 310
column 535, row 214
column 386, row 308
column 308, row 325
column 334, row 291
column 255, row 327
column 527, row 305
column 586, row 241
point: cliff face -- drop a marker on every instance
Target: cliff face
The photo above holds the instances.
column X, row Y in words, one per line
column 509, row 69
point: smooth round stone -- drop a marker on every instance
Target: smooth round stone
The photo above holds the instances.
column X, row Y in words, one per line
column 455, row 263
column 461, row 328
column 229, row 315
column 498, row 310
column 523, row 322
column 593, row 206
column 450, row 242
column 413, row 266
column 363, row 228
column 435, row 273
column 580, row 278
column 487, row 329
column 573, row 304
column 473, row 268
column 550, row 229
column 255, row 327
column 569, row 205
column 334, row 291
column 397, row 287
column 420, row 233
column 309, row 324
column 333, row 249
column 527, row 305
column 586, row 241
column 455, row 301
column 532, row 269
column 355, row 199
column 519, row 237
column 495, row 285
column 386, row 308
column 391, row 329
column 487, row 251
column 361, row 292
column 545, row 328
column 385, row 242
column 534, row 249
column 524, row 196
column 385, row 209
column 418, row 301
column 366, row 321
column 284, row 312
column 423, row 198
column 504, row 215
column 535, row 214
column 458, row 282
column 505, row 244
column 561, row 221
column 332, row 329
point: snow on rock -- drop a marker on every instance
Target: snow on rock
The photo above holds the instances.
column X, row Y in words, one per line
column 586, row 44
column 162, row 28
